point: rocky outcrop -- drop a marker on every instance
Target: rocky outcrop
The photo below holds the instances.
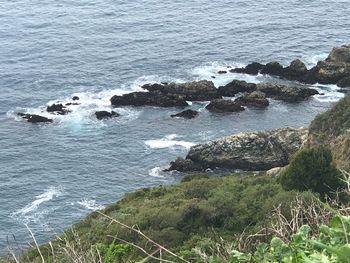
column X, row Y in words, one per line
column 255, row 99
column 344, row 83
column 236, row 86
column 101, row 115
column 286, row 93
column 33, row 118
column 254, row 151
column 202, row 90
column 152, row 98
column 59, row 109
column 330, row 71
column 187, row 114
column 221, row 105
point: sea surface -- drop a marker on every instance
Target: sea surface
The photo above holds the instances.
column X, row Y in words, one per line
column 51, row 176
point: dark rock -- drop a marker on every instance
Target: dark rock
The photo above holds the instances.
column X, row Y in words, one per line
column 330, row 72
column 72, row 103
column 252, row 69
column 296, row 71
column 273, row 68
column 213, row 77
column 57, row 109
column 187, row 114
column 236, row 86
column 286, row 93
column 33, row 118
column 152, row 98
column 184, row 165
column 100, row 115
column 202, row 90
column 255, row 99
column 221, row 105
column 222, row 72
column 75, row 98
column 344, row 83
column 254, row 151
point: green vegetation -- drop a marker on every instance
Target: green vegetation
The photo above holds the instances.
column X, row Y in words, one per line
column 312, row 169
column 332, row 123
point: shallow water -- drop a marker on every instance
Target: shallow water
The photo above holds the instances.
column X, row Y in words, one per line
column 53, row 175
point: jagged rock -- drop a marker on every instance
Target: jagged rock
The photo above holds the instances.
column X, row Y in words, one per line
column 272, row 68
column 187, row 114
column 340, row 54
column 296, row 71
column 34, row 118
column 344, row 83
column 221, row 105
column 252, row 69
column 253, row 151
column 100, row 115
column 254, row 99
column 330, row 72
column 286, row 93
column 152, row 98
column 57, row 109
column 202, row 90
column 236, row 86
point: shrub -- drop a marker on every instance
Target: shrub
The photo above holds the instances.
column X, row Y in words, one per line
column 312, row 169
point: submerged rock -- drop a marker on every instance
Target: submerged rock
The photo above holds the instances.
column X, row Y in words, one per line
column 187, row 114
column 57, row 109
column 202, row 90
column 100, row 115
column 221, row 105
column 33, row 118
column 253, row 151
column 152, row 98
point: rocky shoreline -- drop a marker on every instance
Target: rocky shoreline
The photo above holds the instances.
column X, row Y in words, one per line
column 333, row 70
column 252, row 151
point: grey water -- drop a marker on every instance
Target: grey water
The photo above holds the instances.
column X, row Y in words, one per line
column 51, row 176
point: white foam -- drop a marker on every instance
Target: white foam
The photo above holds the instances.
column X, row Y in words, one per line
column 210, row 70
column 90, row 204
column 312, row 60
column 48, row 195
column 168, row 142
column 156, row 172
column 331, row 93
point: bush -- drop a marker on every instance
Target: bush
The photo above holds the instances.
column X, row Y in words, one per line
column 312, row 169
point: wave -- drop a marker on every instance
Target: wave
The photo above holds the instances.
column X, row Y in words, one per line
column 157, row 172
column 168, row 142
column 312, row 60
column 90, row 204
column 48, row 195
column 331, row 93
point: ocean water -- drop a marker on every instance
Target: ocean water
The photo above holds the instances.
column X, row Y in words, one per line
column 51, row 176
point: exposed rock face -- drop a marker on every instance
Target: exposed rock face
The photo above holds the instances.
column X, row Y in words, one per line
column 202, row 90
column 344, row 83
column 236, row 86
column 253, row 151
column 57, row 109
column 187, row 114
column 221, row 105
column 286, row 93
column 34, row 118
column 329, row 71
column 152, row 98
column 100, row 115
column 255, row 99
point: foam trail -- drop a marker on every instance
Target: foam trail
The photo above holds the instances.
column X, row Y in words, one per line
column 90, row 204
column 48, row 195
column 168, row 142
column 157, row 172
